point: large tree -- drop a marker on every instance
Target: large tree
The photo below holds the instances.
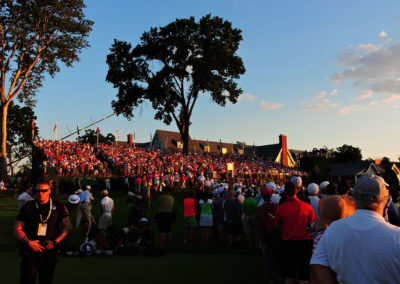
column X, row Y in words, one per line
column 35, row 36
column 90, row 137
column 347, row 154
column 173, row 65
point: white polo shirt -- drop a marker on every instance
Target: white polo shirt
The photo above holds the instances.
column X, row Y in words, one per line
column 108, row 205
column 362, row 248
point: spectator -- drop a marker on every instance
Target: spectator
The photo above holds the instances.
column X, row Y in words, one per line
column 349, row 251
column 266, row 223
column 84, row 209
column 206, row 219
column 249, row 208
column 189, row 213
column 105, row 220
column 24, row 197
column 233, row 214
column 296, row 219
column 313, row 191
column 165, row 217
column 332, row 208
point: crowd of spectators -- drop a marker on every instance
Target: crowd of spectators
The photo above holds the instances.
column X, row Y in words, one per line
column 303, row 231
column 67, row 158
column 71, row 159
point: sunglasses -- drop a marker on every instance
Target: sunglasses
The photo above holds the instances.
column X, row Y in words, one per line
column 43, row 191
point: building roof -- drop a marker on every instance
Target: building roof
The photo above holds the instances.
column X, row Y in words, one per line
column 268, row 151
column 170, row 139
column 352, row 169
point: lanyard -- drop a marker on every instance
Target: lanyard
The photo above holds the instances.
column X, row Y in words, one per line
column 48, row 215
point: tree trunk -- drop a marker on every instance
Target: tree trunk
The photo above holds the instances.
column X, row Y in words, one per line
column 3, row 154
column 185, row 137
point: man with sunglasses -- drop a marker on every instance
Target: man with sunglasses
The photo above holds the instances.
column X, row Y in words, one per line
column 40, row 226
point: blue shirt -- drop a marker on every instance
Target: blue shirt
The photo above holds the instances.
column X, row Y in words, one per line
column 85, row 196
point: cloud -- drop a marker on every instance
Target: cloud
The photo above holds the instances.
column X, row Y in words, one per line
column 320, row 106
column 368, row 64
column 270, row 106
column 383, row 34
column 388, row 41
column 365, row 95
column 321, row 95
column 346, row 109
column 321, row 103
column 246, row 97
column 389, row 100
column 334, row 92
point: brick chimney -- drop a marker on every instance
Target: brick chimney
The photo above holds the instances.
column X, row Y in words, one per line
column 130, row 139
column 283, row 144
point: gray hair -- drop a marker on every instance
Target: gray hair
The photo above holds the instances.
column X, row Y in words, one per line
column 368, row 201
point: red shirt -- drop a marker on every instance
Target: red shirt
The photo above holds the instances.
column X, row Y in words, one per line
column 189, row 207
column 293, row 216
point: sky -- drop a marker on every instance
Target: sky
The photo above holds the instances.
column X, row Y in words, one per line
column 324, row 73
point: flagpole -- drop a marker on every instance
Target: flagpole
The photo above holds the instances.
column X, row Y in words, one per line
column 83, row 128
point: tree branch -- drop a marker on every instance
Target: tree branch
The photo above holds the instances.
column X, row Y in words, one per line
column 12, row 93
column 193, row 103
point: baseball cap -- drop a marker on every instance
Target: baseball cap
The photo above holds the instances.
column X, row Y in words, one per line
column 88, row 187
column 312, row 188
column 296, row 180
column 144, row 220
column 272, row 186
column 266, row 191
column 371, row 184
column 323, row 184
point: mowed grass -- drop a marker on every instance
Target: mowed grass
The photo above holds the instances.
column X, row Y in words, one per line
column 217, row 262
column 171, row 268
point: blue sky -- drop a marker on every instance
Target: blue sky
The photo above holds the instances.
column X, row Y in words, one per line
column 324, row 73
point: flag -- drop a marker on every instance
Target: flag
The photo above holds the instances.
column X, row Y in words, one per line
column 77, row 129
column 55, row 127
column 117, row 133
column 98, row 130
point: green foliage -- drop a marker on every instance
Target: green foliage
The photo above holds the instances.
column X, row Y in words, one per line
column 37, row 35
column 347, row 154
column 19, row 130
column 173, row 65
column 90, row 137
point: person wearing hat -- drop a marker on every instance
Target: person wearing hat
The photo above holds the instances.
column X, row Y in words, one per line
column 362, row 248
column 73, row 200
column 84, row 209
column 266, row 225
column 313, row 191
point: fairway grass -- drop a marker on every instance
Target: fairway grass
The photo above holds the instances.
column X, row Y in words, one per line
column 171, row 268
column 216, row 263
